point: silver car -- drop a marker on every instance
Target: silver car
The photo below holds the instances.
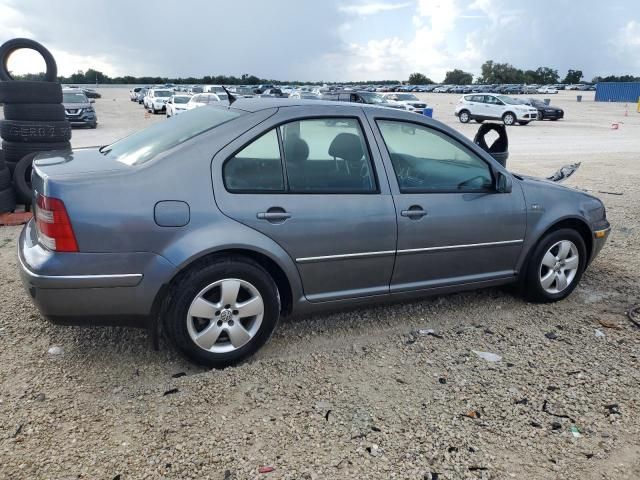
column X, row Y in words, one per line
column 215, row 225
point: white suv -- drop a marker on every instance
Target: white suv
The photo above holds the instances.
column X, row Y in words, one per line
column 486, row 106
column 156, row 99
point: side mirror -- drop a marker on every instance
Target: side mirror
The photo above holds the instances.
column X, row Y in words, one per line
column 91, row 100
column 504, row 184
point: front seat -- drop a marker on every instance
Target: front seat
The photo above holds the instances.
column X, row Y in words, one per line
column 348, row 147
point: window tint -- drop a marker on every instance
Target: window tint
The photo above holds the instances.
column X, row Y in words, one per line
column 327, row 156
column 477, row 98
column 256, row 168
column 425, row 160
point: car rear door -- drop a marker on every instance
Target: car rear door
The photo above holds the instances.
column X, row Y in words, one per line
column 313, row 185
column 454, row 227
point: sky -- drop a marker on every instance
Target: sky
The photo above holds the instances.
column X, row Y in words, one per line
column 325, row 40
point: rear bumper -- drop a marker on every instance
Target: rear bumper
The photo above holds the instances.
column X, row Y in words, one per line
column 91, row 288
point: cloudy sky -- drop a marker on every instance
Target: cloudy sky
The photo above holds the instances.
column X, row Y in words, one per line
column 326, row 40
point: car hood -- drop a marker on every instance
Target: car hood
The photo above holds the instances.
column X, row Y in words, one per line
column 544, row 183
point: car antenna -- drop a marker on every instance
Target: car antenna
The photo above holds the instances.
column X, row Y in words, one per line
column 232, row 98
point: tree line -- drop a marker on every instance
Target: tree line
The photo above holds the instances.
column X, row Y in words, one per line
column 491, row 72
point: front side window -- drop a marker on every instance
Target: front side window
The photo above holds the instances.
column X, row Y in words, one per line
column 425, row 160
column 327, row 156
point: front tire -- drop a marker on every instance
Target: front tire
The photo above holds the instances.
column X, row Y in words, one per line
column 223, row 312
column 508, row 118
column 464, row 116
column 555, row 267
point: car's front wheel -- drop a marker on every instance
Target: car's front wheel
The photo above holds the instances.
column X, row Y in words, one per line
column 223, row 312
column 555, row 266
column 509, row 118
column 464, row 116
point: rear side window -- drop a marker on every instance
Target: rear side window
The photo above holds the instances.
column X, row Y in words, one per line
column 256, row 168
column 328, row 155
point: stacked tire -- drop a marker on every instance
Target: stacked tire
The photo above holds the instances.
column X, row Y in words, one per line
column 34, row 121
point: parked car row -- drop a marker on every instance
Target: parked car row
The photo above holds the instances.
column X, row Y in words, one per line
column 163, row 99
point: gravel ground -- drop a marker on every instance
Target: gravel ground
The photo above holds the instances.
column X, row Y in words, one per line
column 358, row 394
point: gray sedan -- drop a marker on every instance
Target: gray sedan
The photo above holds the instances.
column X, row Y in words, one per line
column 218, row 223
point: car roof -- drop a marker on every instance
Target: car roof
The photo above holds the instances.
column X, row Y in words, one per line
column 256, row 104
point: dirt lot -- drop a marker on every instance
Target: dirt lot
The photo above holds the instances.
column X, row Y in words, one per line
column 356, row 394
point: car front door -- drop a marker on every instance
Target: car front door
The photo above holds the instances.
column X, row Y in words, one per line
column 454, row 227
column 314, row 186
column 496, row 106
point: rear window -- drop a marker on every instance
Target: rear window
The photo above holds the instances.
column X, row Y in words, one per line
column 142, row 146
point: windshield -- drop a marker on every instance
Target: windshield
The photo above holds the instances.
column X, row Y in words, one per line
column 508, row 100
column 73, row 97
column 181, row 99
column 223, row 96
column 372, row 97
column 163, row 93
column 406, row 96
column 146, row 144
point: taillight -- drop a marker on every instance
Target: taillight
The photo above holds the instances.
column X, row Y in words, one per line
column 54, row 227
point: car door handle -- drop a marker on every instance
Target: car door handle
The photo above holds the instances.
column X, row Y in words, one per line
column 414, row 212
column 273, row 216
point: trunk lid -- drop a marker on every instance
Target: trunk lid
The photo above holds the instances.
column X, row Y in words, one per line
column 75, row 162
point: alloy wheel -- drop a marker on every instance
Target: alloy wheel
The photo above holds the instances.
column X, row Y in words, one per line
column 559, row 267
column 225, row 315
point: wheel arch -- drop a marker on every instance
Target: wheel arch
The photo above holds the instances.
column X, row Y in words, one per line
column 575, row 223
column 277, row 273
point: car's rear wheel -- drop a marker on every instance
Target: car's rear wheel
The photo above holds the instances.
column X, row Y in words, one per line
column 556, row 266
column 223, row 312
column 464, row 116
column 509, row 118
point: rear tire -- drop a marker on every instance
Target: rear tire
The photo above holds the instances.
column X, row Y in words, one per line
column 11, row 46
column 22, row 178
column 24, row 131
column 549, row 264
column 199, row 291
column 7, row 200
column 5, row 178
column 14, row 151
column 30, row 92
column 464, row 116
column 35, row 112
